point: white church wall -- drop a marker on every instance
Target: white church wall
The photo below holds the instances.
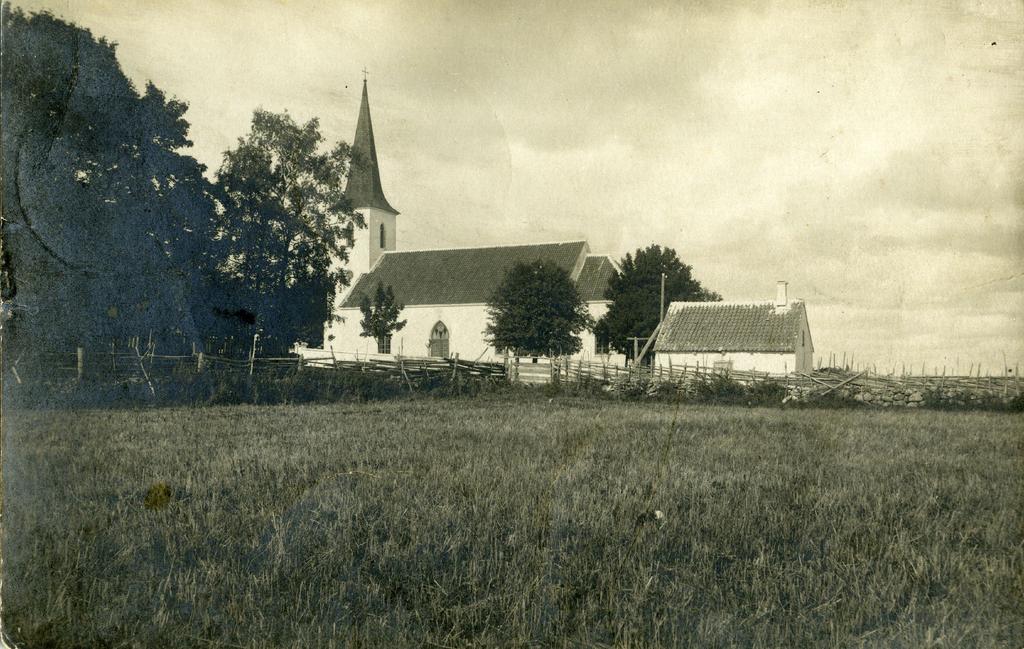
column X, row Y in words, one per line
column 465, row 323
column 589, row 342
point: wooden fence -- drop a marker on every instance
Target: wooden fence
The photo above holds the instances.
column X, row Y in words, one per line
column 137, row 365
column 808, row 384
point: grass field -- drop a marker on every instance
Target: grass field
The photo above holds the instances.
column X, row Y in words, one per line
column 498, row 522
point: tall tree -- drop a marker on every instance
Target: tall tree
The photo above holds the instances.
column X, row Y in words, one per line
column 380, row 317
column 537, row 310
column 635, row 294
column 103, row 216
column 287, row 225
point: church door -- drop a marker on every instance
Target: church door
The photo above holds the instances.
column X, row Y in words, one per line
column 439, row 341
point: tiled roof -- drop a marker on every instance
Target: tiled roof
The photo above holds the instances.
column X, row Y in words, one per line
column 717, row 326
column 363, row 187
column 458, row 275
column 593, row 279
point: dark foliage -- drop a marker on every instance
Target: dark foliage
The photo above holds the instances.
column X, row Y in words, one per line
column 106, row 226
column 285, row 220
column 635, row 292
column 537, row 311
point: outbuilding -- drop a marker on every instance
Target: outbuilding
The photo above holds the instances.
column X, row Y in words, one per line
column 769, row 336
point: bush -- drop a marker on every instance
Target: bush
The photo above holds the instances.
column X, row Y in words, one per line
column 766, row 393
column 720, row 389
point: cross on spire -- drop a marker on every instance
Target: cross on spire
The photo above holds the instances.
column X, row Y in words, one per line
column 365, row 72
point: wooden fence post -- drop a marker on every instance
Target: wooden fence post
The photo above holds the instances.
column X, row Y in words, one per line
column 200, row 362
column 80, row 353
column 252, row 355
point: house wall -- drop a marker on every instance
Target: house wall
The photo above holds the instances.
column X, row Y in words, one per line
column 774, row 363
column 805, row 348
column 465, row 323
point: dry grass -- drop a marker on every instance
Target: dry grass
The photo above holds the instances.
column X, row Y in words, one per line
column 510, row 523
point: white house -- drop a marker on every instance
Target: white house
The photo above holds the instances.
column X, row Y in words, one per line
column 764, row 336
column 444, row 291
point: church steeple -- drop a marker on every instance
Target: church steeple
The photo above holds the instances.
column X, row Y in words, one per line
column 363, row 187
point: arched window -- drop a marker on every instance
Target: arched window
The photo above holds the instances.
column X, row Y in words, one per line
column 439, row 340
column 383, row 239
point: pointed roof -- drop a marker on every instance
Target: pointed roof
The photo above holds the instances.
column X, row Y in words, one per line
column 363, row 188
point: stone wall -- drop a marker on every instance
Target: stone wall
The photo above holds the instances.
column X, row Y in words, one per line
column 945, row 393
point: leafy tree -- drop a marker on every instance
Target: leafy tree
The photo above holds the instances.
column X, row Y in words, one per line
column 285, row 221
column 537, row 310
column 105, row 222
column 380, row 318
column 635, row 294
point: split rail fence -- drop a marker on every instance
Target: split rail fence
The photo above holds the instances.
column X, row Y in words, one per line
column 804, row 385
column 135, row 365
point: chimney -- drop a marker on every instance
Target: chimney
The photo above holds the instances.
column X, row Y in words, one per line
column 781, row 299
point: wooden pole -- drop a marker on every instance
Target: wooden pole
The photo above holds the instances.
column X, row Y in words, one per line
column 252, row 355
column 200, row 362
column 401, row 365
column 661, row 310
column 650, row 340
column 80, row 354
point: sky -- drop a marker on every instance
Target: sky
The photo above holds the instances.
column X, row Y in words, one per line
column 869, row 153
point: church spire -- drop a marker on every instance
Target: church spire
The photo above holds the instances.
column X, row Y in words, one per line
column 363, row 187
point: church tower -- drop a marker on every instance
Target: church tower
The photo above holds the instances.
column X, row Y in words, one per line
column 367, row 197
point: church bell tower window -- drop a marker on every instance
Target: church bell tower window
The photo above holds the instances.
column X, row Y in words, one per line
column 383, row 239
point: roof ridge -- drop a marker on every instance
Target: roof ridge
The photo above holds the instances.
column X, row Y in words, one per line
column 735, row 303
column 513, row 245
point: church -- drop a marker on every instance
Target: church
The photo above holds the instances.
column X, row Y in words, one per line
column 445, row 290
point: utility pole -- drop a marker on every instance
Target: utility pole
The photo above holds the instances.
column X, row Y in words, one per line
column 661, row 311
